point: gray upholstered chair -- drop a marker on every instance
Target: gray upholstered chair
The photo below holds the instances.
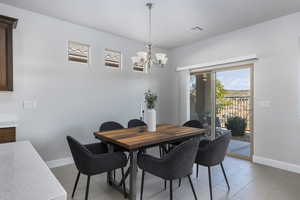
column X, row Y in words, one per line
column 170, row 166
column 193, row 124
column 110, row 126
column 212, row 153
column 190, row 123
column 136, row 123
column 93, row 159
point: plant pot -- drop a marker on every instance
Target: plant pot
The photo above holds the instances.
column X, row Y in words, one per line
column 151, row 120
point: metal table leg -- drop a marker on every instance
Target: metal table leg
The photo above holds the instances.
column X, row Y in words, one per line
column 133, row 175
column 111, row 181
column 109, row 174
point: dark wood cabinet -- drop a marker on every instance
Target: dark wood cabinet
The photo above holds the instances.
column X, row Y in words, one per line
column 7, row 135
column 7, row 24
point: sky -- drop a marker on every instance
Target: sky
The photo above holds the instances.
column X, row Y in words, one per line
column 235, row 79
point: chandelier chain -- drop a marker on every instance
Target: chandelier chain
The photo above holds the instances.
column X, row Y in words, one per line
column 150, row 22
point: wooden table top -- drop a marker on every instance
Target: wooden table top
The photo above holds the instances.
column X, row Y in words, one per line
column 139, row 137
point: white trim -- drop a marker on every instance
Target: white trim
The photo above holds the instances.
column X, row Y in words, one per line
column 230, row 61
column 8, row 125
column 184, row 97
column 59, row 162
column 277, row 164
column 188, row 99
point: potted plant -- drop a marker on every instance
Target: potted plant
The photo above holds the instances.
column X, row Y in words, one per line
column 150, row 99
column 237, row 125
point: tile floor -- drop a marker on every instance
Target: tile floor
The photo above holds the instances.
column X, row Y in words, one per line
column 248, row 182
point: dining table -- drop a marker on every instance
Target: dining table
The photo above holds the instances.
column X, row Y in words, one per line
column 135, row 139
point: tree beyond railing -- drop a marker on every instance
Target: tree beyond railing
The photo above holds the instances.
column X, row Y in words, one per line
column 236, row 106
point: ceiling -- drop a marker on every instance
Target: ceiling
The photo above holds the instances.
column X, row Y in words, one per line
column 172, row 19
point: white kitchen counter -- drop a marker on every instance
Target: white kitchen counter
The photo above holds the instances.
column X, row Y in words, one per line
column 8, row 120
column 25, row 176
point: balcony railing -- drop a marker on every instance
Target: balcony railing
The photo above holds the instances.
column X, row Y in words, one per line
column 235, row 106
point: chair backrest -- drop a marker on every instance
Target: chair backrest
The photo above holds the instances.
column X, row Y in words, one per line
column 215, row 151
column 109, row 126
column 135, row 123
column 181, row 158
column 81, row 155
column 193, row 123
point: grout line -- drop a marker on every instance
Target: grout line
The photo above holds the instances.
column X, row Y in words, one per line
column 242, row 188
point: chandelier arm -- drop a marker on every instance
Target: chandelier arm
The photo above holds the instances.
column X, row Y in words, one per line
column 155, row 61
column 142, row 63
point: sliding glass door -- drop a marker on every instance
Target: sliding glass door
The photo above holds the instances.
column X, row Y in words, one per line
column 222, row 100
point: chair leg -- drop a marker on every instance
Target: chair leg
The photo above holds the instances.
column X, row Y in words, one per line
column 228, row 186
column 165, row 184
column 76, row 182
column 114, row 175
column 160, row 152
column 123, row 184
column 171, row 190
column 163, row 150
column 142, row 185
column 197, row 170
column 179, row 182
column 192, row 186
column 87, row 188
column 210, row 186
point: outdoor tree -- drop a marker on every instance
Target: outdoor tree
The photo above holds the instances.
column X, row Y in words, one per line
column 221, row 101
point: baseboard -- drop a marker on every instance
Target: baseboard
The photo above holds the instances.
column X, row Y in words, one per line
column 59, row 162
column 277, row 164
column 256, row 159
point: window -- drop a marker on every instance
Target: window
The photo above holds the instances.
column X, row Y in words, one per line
column 112, row 58
column 78, row 52
column 139, row 68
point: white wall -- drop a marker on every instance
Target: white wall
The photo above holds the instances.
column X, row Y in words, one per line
column 276, row 80
column 74, row 99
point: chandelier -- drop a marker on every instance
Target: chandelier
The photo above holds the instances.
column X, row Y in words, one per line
column 145, row 59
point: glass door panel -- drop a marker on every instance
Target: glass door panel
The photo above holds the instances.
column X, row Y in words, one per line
column 233, row 103
column 202, row 99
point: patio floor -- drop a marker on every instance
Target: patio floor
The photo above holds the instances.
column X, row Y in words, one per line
column 238, row 147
